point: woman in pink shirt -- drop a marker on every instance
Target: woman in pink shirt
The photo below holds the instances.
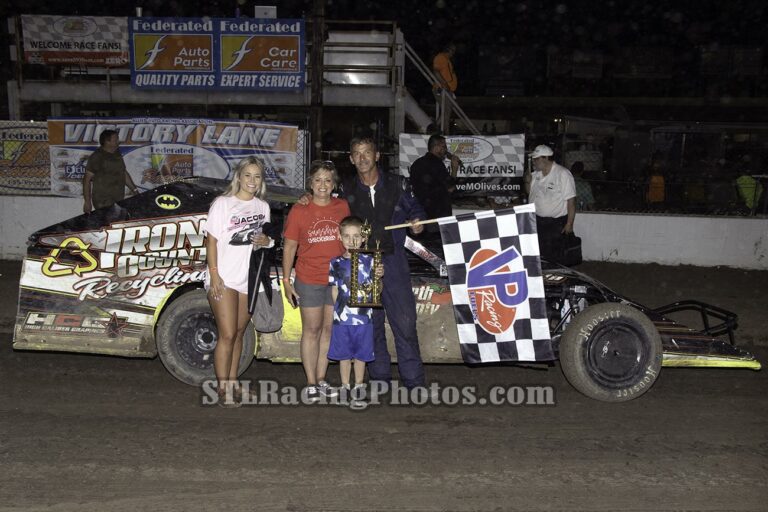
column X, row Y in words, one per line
column 234, row 229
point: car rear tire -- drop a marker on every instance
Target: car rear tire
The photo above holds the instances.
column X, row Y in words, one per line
column 611, row 352
column 186, row 337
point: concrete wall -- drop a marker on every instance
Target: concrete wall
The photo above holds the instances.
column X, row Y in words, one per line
column 20, row 216
column 637, row 238
column 740, row 242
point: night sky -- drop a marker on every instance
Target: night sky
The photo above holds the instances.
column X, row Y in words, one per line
column 480, row 27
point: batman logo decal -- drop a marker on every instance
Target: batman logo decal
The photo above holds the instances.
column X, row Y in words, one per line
column 167, row 201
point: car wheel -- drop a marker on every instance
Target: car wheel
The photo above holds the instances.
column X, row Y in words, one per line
column 611, row 352
column 186, row 337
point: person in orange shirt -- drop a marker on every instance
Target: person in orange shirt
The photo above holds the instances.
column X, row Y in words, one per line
column 312, row 237
column 447, row 84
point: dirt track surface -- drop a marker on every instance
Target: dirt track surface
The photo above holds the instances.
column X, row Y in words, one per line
column 99, row 433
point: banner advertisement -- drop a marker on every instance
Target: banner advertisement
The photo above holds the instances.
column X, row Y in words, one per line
column 79, row 40
column 492, row 165
column 217, row 53
column 24, row 162
column 161, row 150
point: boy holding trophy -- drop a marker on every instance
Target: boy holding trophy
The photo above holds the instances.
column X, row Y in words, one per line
column 353, row 297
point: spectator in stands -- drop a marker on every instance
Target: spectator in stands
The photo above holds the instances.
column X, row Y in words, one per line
column 552, row 190
column 584, row 198
column 105, row 176
column 656, row 186
column 447, row 80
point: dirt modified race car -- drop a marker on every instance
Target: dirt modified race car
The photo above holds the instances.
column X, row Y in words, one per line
column 128, row 281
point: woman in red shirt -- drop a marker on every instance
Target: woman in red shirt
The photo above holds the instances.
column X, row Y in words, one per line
column 312, row 236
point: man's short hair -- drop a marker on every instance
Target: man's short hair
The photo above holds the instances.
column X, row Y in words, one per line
column 434, row 140
column 105, row 136
column 362, row 140
column 351, row 221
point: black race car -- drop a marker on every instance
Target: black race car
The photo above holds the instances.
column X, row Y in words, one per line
column 128, row 281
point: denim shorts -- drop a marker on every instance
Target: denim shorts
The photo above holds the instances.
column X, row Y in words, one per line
column 313, row 295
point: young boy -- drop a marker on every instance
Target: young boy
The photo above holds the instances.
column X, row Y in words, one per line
column 352, row 333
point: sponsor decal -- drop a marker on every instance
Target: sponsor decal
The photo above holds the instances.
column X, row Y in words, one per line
column 167, row 201
column 52, row 267
column 66, row 323
column 494, row 289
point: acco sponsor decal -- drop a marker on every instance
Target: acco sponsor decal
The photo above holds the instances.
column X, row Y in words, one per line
column 494, row 289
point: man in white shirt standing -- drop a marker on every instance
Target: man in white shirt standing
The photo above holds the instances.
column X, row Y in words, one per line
column 552, row 189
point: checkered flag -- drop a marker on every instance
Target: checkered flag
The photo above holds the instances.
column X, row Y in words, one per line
column 496, row 285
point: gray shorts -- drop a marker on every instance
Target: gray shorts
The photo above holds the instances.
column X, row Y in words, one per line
column 313, row 295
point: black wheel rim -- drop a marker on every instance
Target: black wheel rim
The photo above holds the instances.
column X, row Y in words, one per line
column 616, row 354
column 195, row 340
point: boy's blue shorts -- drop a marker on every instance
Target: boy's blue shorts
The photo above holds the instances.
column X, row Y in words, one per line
column 351, row 342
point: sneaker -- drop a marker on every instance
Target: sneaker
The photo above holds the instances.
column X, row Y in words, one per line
column 326, row 390
column 358, row 398
column 311, row 394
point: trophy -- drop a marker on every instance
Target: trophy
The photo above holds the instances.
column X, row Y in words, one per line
column 367, row 294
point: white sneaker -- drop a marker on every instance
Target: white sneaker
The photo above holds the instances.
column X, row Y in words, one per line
column 326, row 390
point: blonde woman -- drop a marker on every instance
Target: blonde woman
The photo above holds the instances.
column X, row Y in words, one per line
column 234, row 229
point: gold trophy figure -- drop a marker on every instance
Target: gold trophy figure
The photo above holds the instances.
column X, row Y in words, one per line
column 368, row 294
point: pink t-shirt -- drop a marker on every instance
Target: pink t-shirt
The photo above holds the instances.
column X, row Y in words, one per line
column 232, row 221
column 316, row 229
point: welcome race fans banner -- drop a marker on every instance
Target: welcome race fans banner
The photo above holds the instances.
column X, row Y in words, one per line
column 160, row 150
column 24, row 163
column 84, row 40
column 217, row 53
column 491, row 165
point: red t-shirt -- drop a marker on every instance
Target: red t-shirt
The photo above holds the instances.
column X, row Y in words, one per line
column 316, row 229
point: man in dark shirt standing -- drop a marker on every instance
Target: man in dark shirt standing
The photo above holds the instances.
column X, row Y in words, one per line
column 383, row 199
column 432, row 183
column 105, row 174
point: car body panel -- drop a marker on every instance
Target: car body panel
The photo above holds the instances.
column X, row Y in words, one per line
column 98, row 283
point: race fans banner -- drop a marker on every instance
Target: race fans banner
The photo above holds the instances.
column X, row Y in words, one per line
column 217, row 53
column 78, row 40
column 24, row 163
column 491, row 165
column 160, row 150
column 497, row 287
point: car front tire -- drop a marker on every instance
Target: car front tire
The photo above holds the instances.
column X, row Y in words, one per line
column 186, row 336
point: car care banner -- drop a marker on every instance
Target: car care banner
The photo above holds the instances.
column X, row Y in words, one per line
column 79, row 40
column 497, row 288
column 491, row 165
column 161, row 150
column 217, row 53
column 24, row 163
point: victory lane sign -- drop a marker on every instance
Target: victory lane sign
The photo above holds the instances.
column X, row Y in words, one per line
column 221, row 53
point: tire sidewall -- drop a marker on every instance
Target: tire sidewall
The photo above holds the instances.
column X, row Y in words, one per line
column 192, row 303
column 576, row 340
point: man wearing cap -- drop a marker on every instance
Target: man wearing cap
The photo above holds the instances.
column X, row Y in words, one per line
column 552, row 189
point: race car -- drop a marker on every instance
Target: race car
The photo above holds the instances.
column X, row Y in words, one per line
column 128, row 281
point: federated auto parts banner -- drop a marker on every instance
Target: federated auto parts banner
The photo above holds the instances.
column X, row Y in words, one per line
column 217, row 53
column 491, row 165
column 85, row 40
column 24, row 164
column 161, row 150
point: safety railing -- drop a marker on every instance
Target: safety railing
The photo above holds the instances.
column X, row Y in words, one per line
column 427, row 73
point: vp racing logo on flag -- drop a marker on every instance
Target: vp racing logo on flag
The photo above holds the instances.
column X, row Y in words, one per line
column 147, row 50
column 494, row 289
